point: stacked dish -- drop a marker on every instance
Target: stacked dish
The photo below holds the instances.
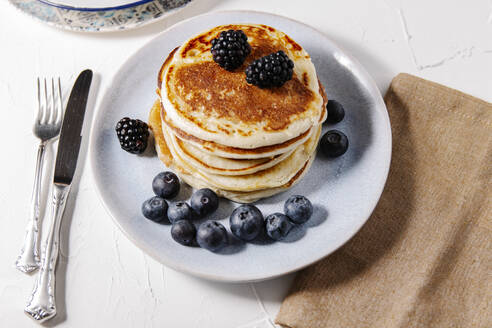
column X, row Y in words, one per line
column 99, row 15
column 218, row 131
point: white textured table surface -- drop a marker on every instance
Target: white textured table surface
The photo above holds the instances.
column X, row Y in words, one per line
column 105, row 281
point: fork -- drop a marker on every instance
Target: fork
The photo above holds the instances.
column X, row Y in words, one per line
column 46, row 127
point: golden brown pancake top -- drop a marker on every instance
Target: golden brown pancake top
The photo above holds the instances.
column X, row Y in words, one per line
column 207, row 87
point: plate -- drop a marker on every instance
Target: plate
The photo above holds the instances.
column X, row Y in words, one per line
column 89, row 5
column 95, row 20
column 344, row 191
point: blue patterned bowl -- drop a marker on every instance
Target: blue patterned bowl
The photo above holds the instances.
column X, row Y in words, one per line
column 93, row 20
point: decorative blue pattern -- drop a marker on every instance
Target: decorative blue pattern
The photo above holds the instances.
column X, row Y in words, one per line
column 95, row 21
column 134, row 4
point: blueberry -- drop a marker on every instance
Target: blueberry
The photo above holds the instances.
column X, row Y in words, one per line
column 204, row 201
column 155, row 209
column 335, row 110
column 166, row 185
column 179, row 211
column 211, row 235
column 278, row 226
column 334, row 143
column 183, row 232
column 298, row 208
column 246, row 222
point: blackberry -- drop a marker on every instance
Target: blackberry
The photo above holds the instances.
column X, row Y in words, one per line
column 230, row 49
column 132, row 134
column 269, row 71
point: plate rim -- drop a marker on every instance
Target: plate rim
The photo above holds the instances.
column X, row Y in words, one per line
column 260, row 277
column 95, row 26
column 67, row 7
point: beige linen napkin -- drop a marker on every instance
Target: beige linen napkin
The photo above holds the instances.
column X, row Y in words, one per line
column 424, row 258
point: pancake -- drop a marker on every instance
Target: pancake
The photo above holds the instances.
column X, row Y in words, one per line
column 221, row 165
column 217, row 149
column 155, row 125
column 272, row 177
column 251, row 196
column 221, row 150
column 211, row 104
column 165, row 156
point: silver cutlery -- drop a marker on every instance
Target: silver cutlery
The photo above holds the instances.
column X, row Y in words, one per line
column 42, row 304
column 46, row 128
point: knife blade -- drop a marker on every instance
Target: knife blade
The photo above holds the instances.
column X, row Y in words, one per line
column 70, row 136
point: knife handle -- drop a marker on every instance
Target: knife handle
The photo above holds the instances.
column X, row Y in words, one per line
column 42, row 305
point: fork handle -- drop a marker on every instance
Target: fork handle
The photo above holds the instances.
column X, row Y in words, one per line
column 28, row 259
column 42, row 304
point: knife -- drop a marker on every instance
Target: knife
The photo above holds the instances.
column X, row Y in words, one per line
column 42, row 305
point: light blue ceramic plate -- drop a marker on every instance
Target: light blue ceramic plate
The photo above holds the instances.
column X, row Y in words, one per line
column 344, row 191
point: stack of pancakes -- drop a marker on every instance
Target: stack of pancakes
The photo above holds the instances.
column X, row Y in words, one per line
column 218, row 131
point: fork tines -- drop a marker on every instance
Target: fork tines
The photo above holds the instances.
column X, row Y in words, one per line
column 50, row 106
